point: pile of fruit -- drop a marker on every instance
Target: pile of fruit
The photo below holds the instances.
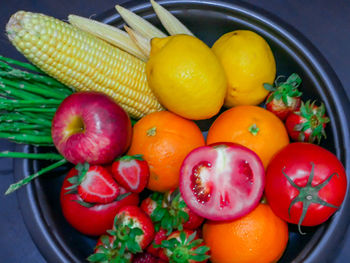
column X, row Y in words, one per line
column 146, row 181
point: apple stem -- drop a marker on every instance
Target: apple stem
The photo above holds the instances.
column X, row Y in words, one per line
column 19, row 184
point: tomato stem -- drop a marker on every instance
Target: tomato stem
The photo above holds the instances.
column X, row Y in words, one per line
column 308, row 194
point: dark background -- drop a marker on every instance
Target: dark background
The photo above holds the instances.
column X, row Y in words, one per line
column 325, row 23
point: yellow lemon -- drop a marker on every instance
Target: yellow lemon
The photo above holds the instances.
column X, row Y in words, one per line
column 249, row 63
column 186, row 76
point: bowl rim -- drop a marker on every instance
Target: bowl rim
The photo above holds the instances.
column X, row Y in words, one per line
column 32, row 206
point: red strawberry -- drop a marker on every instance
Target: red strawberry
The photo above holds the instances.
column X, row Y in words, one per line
column 148, row 205
column 146, row 258
column 159, row 237
column 284, row 97
column 133, row 228
column 308, row 123
column 132, row 172
column 94, row 184
column 107, row 251
column 185, row 247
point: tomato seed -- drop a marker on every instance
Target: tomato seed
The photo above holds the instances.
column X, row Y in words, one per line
column 244, row 168
column 201, row 189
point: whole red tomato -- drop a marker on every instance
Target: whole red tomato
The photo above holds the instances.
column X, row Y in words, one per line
column 305, row 184
column 91, row 220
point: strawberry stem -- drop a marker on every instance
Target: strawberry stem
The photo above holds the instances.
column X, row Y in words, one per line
column 185, row 249
column 315, row 120
column 283, row 90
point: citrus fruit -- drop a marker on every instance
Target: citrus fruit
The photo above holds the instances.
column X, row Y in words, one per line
column 164, row 139
column 249, row 63
column 253, row 127
column 259, row 236
column 186, row 76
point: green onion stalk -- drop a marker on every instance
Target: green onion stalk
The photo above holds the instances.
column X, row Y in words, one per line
column 28, row 101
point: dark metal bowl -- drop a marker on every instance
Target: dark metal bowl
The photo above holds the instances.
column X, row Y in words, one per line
column 59, row 242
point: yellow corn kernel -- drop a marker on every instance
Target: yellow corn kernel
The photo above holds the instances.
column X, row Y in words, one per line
column 82, row 61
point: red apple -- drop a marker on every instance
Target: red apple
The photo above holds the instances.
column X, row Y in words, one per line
column 91, row 127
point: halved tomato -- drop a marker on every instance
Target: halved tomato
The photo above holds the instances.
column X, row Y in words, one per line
column 222, row 181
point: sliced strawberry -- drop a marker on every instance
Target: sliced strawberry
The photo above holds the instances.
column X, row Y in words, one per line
column 308, row 123
column 98, row 186
column 132, row 172
column 284, row 97
column 94, row 184
column 133, row 229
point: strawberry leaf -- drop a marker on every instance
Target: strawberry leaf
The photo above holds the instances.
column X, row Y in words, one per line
column 183, row 237
column 98, row 257
column 284, row 90
column 201, row 250
column 105, row 240
column 158, row 214
column 169, row 243
column 122, row 196
column 191, row 237
column 85, row 204
column 73, row 180
column 195, row 243
column 156, row 196
column 269, row 87
column 199, row 258
column 130, row 157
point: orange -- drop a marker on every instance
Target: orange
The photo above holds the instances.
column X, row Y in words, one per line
column 259, row 236
column 253, row 127
column 164, row 139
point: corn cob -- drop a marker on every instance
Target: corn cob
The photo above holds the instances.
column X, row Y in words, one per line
column 82, row 61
